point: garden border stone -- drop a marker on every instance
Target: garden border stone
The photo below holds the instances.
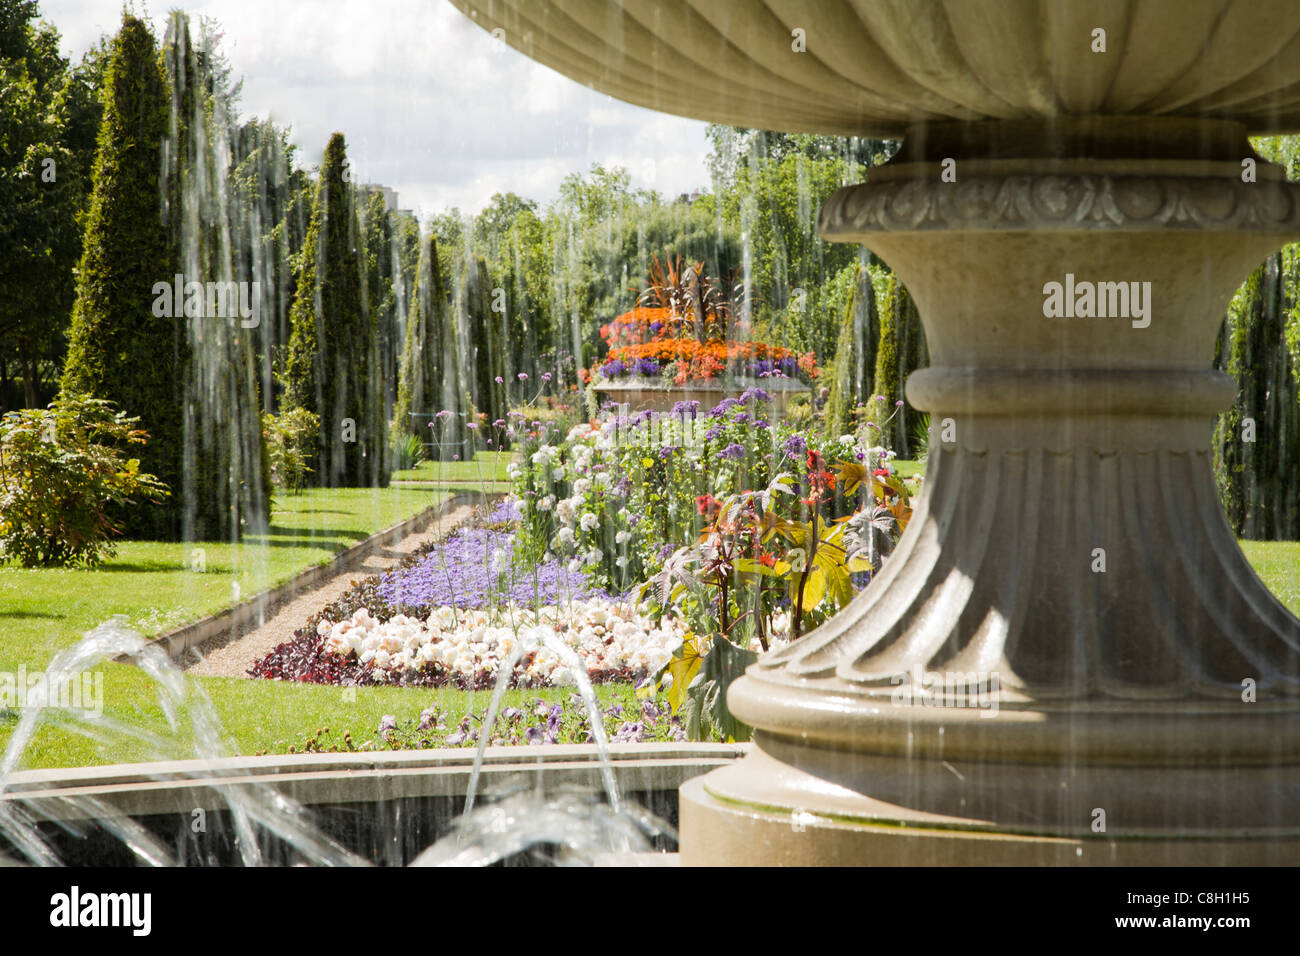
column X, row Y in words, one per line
column 262, row 605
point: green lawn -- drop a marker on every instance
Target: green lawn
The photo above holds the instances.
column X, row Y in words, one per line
column 158, row 586
column 1278, row 565
column 486, row 466
column 908, row 469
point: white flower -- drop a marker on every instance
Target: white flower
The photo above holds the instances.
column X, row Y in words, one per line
column 602, row 479
column 621, row 537
column 513, row 470
column 621, row 561
column 564, row 537
column 582, row 486
column 590, row 522
column 546, row 504
column 565, row 511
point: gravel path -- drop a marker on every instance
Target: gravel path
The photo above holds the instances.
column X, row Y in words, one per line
column 233, row 655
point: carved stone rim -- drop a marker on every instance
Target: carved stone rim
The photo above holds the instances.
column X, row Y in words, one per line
column 1067, row 201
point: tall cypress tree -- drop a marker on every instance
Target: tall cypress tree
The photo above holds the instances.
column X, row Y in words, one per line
column 855, row 353
column 118, row 348
column 887, row 382
column 328, row 366
column 486, row 333
column 429, row 355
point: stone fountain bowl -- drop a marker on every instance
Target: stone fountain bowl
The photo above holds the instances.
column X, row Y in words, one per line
column 856, row 67
column 1043, row 140
column 385, row 807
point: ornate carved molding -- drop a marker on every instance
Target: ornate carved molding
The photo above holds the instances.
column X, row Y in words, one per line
column 1061, row 202
column 1174, row 614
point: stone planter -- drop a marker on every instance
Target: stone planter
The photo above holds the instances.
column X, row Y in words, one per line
column 643, row 394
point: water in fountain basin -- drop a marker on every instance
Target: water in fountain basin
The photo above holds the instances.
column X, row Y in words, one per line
column 252, row 807
column 529, row 640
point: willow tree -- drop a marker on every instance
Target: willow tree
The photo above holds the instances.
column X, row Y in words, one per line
column 327, row 370
column 118, row 348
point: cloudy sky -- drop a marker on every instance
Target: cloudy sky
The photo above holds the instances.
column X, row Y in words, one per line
column 430, row 104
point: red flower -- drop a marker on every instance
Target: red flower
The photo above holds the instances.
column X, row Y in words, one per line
column 882, row 472
column 707, row 505
column 767, row 560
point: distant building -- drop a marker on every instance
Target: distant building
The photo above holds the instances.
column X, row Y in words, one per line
column 390, row 195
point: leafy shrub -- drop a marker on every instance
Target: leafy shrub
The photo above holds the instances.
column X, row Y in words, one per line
column 62, row 477
column 291, row 445
column 408, row 452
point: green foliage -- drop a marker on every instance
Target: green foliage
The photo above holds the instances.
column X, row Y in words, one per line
column 291, row 440
column 49, row 116
column 855, row 352
column 118, row 349
column 704, row 710
column 331, row 342
column 62, row 475
column 1257, row 441
column 887, row 384
column 408, row 452
column 483, row 327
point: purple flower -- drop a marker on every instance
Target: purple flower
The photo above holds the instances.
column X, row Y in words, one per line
column 456, row 739
column 428, row 717
column 741, row 418
column 473, row 425
column 724, row 406
column 499, row 380
column 387, row 724
column 733, row 452
column 523, row 376
column 546, row 376
column 667, row 451
column 689, row 407
column 795, row 447
column 760, row 423
column 615, row 711
column 446, row 413
column 553, row 718
column 534, row 736
column 755, row 394
column 628, row 733
column 512, row 713
column 713, row 433
column 649, row 710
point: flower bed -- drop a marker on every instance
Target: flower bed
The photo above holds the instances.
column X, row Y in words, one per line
column 450, row 616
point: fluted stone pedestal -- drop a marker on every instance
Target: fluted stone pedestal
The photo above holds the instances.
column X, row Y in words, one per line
column 1067, row 659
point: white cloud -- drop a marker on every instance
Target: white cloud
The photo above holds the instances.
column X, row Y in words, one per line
column 431, row 105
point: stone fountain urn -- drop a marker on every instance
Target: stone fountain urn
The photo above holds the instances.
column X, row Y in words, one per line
column 1067, row 659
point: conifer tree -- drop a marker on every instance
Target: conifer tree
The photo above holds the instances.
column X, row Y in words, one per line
column 328, row 367
column 118, row 348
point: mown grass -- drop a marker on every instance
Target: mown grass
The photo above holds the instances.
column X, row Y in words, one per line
column 157, row 586
column 1278, row 565
column 486, row 466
